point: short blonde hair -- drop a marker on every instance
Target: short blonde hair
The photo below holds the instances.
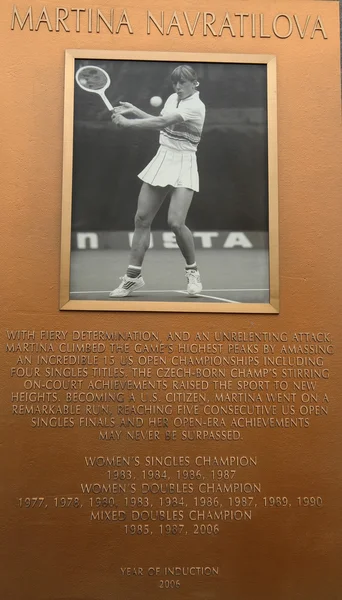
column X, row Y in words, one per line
column 184, row 72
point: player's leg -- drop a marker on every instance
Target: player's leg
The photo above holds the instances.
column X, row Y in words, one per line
column 149, row 201
column 180, row 203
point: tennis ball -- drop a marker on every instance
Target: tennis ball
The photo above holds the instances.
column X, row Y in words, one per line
column 156, row 101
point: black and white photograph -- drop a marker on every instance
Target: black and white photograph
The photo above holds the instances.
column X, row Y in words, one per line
column 170, row 183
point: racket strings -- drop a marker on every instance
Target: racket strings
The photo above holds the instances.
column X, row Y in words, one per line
column 92, row 79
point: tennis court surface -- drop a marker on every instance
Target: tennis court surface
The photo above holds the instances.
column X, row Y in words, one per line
column 228, row 276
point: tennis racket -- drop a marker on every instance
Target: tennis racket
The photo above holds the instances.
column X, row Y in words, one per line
column 95, row 80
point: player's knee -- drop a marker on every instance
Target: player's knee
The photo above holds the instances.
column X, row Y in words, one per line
column 176, row 225
column 142, row 221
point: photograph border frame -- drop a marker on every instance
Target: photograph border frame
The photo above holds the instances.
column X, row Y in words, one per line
column 272, row 307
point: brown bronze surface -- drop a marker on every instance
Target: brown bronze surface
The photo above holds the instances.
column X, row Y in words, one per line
column 150, row 455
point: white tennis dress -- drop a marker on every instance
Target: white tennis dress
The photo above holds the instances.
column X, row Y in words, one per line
column 175, row 162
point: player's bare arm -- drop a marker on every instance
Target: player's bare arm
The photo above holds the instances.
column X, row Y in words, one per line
column 156, row 123
column 126, row 108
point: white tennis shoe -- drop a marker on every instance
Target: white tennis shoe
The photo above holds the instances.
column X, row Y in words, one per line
column 194, row 286
column 127, row 286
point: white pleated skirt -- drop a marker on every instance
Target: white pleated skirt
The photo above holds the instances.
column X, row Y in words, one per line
column 172, row 167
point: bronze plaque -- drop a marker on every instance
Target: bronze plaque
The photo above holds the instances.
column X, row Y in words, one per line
column 149, row 449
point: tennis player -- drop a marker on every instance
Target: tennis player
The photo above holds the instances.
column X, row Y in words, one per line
column 172, row 170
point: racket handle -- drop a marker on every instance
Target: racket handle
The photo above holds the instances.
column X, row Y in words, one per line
column 106, row 101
